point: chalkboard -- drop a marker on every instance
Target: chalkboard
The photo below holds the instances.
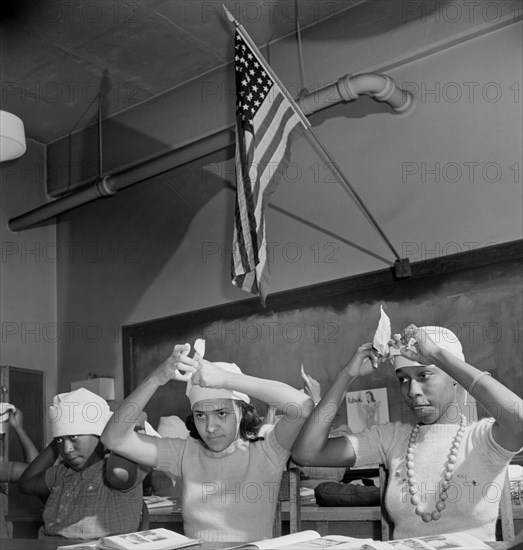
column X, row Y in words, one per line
column 477, row 294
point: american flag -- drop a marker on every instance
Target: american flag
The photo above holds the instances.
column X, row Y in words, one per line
column 266, row 121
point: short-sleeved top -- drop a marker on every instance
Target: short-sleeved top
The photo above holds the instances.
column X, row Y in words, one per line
column 82, row 505
column 229, row 495
column 475, row 488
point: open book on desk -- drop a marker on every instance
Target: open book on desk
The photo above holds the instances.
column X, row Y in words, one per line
column 305, row 540
column 153, row 539
column 448, row 541
column 311, row 540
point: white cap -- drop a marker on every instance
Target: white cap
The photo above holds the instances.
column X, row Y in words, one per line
column 196, row 393
column 441, row 336
column 80, row 412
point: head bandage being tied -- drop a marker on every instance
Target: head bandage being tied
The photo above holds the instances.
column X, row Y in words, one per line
column 196, row 393
column 441, row 336
column 80, row 412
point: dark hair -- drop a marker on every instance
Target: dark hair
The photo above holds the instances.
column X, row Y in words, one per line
column 371, row 395
column 249, row 424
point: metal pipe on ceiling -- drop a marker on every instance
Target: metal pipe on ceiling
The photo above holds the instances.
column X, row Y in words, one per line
column 131, row 174
column 348, row 88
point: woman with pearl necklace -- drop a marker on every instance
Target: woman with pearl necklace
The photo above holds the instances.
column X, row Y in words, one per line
column 446, row 473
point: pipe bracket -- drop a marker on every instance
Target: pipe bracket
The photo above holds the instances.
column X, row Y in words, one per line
column 102, row 188
column 346, row 91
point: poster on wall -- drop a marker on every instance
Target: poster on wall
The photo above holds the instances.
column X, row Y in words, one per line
column 366, row 408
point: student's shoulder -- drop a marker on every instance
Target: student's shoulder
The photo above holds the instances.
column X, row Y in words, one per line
column 386, row 430
column 168, row 446
column 269, row 446
column 481, row 439
column 54, row 473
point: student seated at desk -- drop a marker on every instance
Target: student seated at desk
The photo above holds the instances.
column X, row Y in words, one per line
column 229, row 475
column 445, row 474
column 90, row 493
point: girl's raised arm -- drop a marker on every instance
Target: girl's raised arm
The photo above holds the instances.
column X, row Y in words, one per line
column 119, row 434
column 313, row 447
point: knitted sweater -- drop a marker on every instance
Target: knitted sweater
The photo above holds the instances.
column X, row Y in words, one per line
column 230, row 495
column 475, row 488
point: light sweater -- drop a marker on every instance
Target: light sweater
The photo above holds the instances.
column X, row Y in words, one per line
column 230, row 495
column 475, row 489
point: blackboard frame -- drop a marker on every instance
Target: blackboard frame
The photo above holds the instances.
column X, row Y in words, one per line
column 152, row 334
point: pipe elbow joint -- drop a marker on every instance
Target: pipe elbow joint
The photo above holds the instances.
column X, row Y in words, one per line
column 408, row 106
column 388, row 89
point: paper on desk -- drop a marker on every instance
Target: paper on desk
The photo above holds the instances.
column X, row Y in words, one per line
column 156, row 501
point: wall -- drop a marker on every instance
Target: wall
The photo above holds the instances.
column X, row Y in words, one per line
column 365, row 36
column 442, row 180
column 30, row 331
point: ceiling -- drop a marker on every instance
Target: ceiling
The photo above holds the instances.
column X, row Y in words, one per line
column 56, row 55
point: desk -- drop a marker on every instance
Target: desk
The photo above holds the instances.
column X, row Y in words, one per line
column 170, row 518
column 364, row 521
column 353, row 521
column 350, row 521
column 32, row 544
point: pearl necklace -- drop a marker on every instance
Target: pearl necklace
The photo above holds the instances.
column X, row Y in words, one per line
column 447, row 476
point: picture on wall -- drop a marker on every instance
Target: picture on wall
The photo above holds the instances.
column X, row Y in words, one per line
column 366, row 408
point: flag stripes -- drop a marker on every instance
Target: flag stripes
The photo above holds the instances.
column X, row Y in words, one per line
column 266, row 122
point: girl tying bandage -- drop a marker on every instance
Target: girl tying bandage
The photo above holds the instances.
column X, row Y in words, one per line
column 446, row 473
column 230, row 477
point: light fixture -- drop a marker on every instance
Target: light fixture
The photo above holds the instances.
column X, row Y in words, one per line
column 12, row 137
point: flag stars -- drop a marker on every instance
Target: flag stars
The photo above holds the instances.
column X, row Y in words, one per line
column 253, row 83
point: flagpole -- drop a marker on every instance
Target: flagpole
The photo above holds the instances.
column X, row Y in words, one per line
column 316, row 141
column 262, row 61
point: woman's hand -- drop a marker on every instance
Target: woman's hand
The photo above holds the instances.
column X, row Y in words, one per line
column 16, row 418
column 209, row 375
column 417, row 345
column 364, row 361
column 178, row 366
column 311, row 386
